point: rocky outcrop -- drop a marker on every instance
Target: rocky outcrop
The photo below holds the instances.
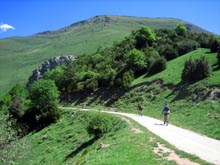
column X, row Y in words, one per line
column 48, row 65
column 215, row 94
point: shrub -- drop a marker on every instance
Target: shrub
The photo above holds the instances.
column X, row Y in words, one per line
column 195, row 70
column 218, row 57
column 181, row 29
column 136, row 61
column 186, row 46
column 99, row 125
column 145, row 36
column 168, row 52
column 124, row 78
column 157, row 65
column 44, row 103
column 214, row 44
column 127, row 78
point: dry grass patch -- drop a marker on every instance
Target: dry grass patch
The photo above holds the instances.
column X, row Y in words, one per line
column 170, row 155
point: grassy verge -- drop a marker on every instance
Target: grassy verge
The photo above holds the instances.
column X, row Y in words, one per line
column 67, row 142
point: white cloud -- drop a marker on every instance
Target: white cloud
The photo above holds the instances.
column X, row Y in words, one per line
column 6, row 27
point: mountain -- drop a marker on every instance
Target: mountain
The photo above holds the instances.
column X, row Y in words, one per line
column 19, row 56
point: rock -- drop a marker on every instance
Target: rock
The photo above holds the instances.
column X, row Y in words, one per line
column 44, row 137
column 48, row 65
column 215, row 94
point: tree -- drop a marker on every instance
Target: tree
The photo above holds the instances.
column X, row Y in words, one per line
column 127, row 78
column 168, row 52
column 145, row 36
column 17, row 103
column 136, row 61
column 157, row 65
column 181, row 29
column 186, row 46
column 44, row 103
column 218, row 57
column 195, row 70
column 214, row 44
column 57, row 75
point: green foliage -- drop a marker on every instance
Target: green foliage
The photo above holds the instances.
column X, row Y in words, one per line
column 181, row 29
column 44, row 104
column 99, row 125
column 186, row 46
column 136, row 61
column 195, row 70
column 127, row 78
column 56, row 75
column 157, row 65
column 19, row 56
column 15, row 101
column 214, row 44
column 144, row 37
column 218, row 57
column 168, row 51
column 203, row 39
column 19, row 102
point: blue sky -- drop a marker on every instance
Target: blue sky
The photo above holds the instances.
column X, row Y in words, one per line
column 27, row 17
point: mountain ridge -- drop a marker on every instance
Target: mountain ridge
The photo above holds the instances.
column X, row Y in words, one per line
column 19, row 56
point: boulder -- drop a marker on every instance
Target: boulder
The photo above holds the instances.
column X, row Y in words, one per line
column 215, row 94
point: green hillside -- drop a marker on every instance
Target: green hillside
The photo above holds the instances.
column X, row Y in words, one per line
column 67, row 142
column 19, row 56
column 114, row 78
column 172, row 74
column 190, row 104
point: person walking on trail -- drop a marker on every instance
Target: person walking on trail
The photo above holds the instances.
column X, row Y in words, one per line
column 166, row 112
column 140, row 109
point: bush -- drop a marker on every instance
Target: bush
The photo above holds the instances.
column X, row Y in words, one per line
column 44, row 104
column 145, row 36
column 218, row 57
column 99, row 125
column 124, row 78
column 195, row 70
column 181, row 29
column 214, row 44
column 168, row 52
column 186, row 46
column 157, row 66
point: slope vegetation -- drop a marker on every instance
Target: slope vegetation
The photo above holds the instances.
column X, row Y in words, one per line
column 190, row 103
column 19, row 56
column 67, row 142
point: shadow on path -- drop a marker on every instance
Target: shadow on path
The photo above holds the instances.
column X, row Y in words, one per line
column 161, row 124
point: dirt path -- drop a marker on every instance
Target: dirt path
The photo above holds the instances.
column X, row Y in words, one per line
column 204, row 147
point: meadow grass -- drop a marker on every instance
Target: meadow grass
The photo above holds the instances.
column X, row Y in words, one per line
column 67, row 142
column 173, row 72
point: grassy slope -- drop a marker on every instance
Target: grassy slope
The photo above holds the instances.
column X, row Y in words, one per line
column 20, row 55
column 200, row 116
column 172, row 74
column 67, row 142
column 69, row 133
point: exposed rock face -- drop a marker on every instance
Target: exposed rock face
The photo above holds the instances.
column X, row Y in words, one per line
column 215, row 94
column 48, row 65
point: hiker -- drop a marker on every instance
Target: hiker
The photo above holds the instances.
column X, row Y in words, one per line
column 140, row 109
column 166, row 112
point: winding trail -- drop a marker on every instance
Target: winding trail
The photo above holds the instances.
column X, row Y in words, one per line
column 188, row 141
column 202, row 146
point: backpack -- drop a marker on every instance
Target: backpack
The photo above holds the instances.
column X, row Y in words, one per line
column 166, row 110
